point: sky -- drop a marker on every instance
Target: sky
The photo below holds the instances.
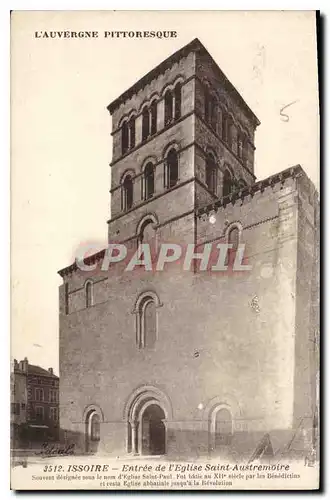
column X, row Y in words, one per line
column 60, row 129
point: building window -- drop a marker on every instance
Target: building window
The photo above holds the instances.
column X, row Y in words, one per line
column 227, row 183
column 149, row 181
column 145, row 124
column 171, row 169
column 233, row 239
column 153, row 115
column 15, row 408
column 39, row 413
column 127, row 193
column 245, row 151
column 89, row 293
column 39, row 393
column 124, row 137
column 240, row 145
column 131, row 129
column 95, row 423
column 210, row 109
column 211, row 173
column 177, row 101
column 147, row 323
column 53, row 414
column 168, row 107
column 223, row 428
column 23, row 406
column 226, row 128
column 52, row 396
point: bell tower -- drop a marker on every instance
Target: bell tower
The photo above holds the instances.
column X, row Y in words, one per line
column 182, row 138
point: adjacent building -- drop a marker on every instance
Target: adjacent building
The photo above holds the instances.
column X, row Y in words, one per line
column 190, row 364
column 34, row 403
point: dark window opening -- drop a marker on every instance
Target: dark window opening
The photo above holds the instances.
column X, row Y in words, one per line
column 124, row 138
column 245, row 150
column 132, row 132
column 227, row 184
column 172, row 168
column 149, row 180
column 177, row 99
column 153, row 111
column 145, row 124
column 207, row 105
column 223, row 428
column 127, row 201
column 211, row 174
column 88, row 294
column 168, row 107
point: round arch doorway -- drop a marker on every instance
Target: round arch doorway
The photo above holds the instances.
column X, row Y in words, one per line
column 147, row 413
column 153, row 431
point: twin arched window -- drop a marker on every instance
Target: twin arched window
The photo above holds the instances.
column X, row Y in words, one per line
column 211, row 173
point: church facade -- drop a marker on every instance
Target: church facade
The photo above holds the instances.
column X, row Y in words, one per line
column 194, row 363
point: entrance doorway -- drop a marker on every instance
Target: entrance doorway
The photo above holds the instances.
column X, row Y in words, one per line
column 153, row 431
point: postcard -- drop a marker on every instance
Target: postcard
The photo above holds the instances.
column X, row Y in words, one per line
column 165, row 250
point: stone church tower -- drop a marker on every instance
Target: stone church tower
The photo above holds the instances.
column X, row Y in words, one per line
column 194, row 363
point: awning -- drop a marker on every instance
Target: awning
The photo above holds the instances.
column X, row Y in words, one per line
column 39, row 426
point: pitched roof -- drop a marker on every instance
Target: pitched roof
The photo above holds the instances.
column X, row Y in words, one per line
column 194, row 46
column 37, row 370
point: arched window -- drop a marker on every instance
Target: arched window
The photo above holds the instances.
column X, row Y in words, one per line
column 233, row 239
column 89, row 294
column 127, row 193
column 145, row 123
column 124, row 137
column 227, row 183
column 207, row 106
column 171, row 169
column 210, row 109
column 229, row 132
column 131, row 127
column 177, row 99
column 149, row 181
column 240, row 144
column 224, row 126
column 168, row 107
column 153, row 113
column 95, row 427
column 245, row 148
column 211, row 173
column 223, row 428
column 147, row 322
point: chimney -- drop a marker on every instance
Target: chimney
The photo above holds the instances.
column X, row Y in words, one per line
column 51, row 371
column 15, row 364
column 23, row 365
